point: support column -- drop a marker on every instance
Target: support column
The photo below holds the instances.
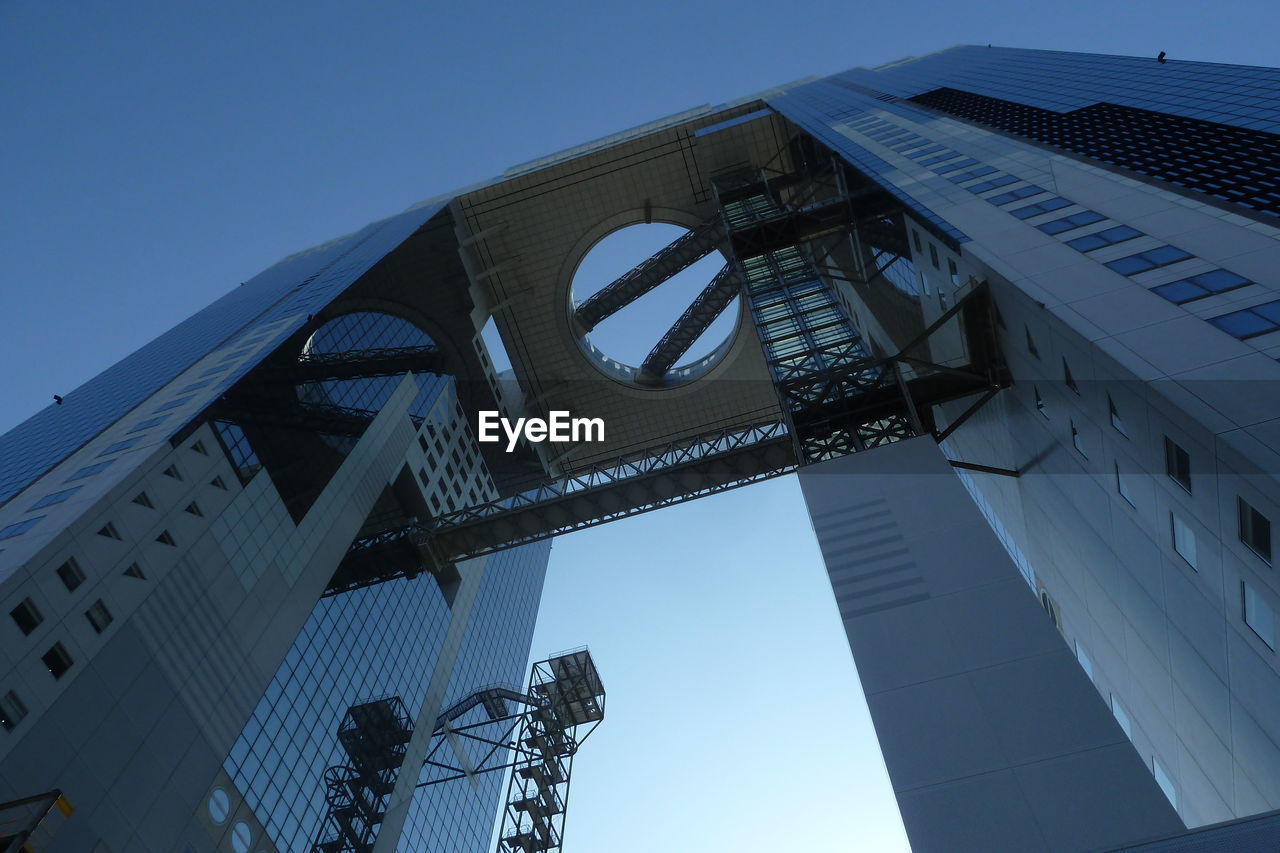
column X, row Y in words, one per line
column 994, row 737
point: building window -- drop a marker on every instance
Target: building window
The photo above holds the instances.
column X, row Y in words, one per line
column 70, row 574
column 18, row 528
column 1076, row 441
column 1015, row 195
column 1067, row 223
column 172, row 471
column 1160, row 256
column 193, row 509
column 1116, row 421
column 1123, row 488
column 1047, row 604
column 120, row 445
column 241, row 837
column 915, row 239
column 1041, row 207
column 1105, row 237
column 90, row 470
column 1177, row 463
column 1255, row 529
column 27, row 616
column 1165, row 783
column 55, row 498
column 1200, row 286
column 954, row 271
column 933, row 257
column 99, row 616
column 109, row 531
column 1259, row 615
column 1250, row 322
column 166, row 538
column 12, row 711
column 142, row 499
column 1068, row 378
column 219, row 806
column 218, row 483
column 1122, row 717
column 134, row 571
column 1184, row 540
column 57, row 660
column 1040, row 407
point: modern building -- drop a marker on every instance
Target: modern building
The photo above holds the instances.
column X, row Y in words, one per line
column 1012, row 315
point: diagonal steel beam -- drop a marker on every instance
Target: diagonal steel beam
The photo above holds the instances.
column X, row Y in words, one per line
column 676, row 256
column 700, row 314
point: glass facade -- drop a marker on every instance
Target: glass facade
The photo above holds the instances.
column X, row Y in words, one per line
column 281, row 297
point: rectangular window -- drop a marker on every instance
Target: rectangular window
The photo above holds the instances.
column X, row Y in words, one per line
column 99, row 616
column 18, row 528
column 1184, row 540
column 1165, row 783
column 1067, row 223
column 994, row 183
column 1041, row 207
column 953, row 271
column 27, row 616
column 1177, row 463
column 149, row 423
column 1106, row 237
column 1250, row 322
column 55, row 498
column 120, row 445
column 1014, row 195
column 90, row 470
column 57, row 660
column 933, row 256
column 12, row 711
column 1200, row 286
column 915, row 238
column 1255, row 529
column 70, row 574
column 1160, row 256
column 1123, row 488
column 1259, row 615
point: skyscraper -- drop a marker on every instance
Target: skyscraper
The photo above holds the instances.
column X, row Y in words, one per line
column 1010, row 314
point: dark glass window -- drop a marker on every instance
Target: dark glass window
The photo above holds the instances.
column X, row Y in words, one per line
column 1249, row 322
column 1041, row 207
column 18, row 528
column 1067, row 223
column 1106, row 237
column 1014, row 195
column 58, row 660
column 1177, row 463
column 1002, row 181
column 1255, row 529
column 933, row 256
column 149, row 423
column 1031, row 344
column 915, row 238
column 1200, row 286
column 70, row 574
column 1160, row 256
column 99, row 616
column 12, row 711
column 1116, row 421
column 120, row 445
column 1068, row 378
column 55, row 498
column 27, row 616
column 90, row 470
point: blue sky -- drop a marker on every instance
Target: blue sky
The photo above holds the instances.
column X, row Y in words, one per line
column 157, row 154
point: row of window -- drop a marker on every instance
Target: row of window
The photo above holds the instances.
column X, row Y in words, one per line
column 27, row 616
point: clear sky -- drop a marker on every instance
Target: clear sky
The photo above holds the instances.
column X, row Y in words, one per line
column 157, row 154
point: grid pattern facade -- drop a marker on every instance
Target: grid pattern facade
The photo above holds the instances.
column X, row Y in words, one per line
column 1234, row 164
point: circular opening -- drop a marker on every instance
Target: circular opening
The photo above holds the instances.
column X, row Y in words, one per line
column 241, row 837
column 219, row 806
column 621, row 342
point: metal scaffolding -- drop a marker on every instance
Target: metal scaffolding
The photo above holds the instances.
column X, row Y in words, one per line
column 375, row 736
column 536, row 734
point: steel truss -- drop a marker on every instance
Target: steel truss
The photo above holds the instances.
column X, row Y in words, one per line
column 680, row 254
column 352, row 364
column 701, row 313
